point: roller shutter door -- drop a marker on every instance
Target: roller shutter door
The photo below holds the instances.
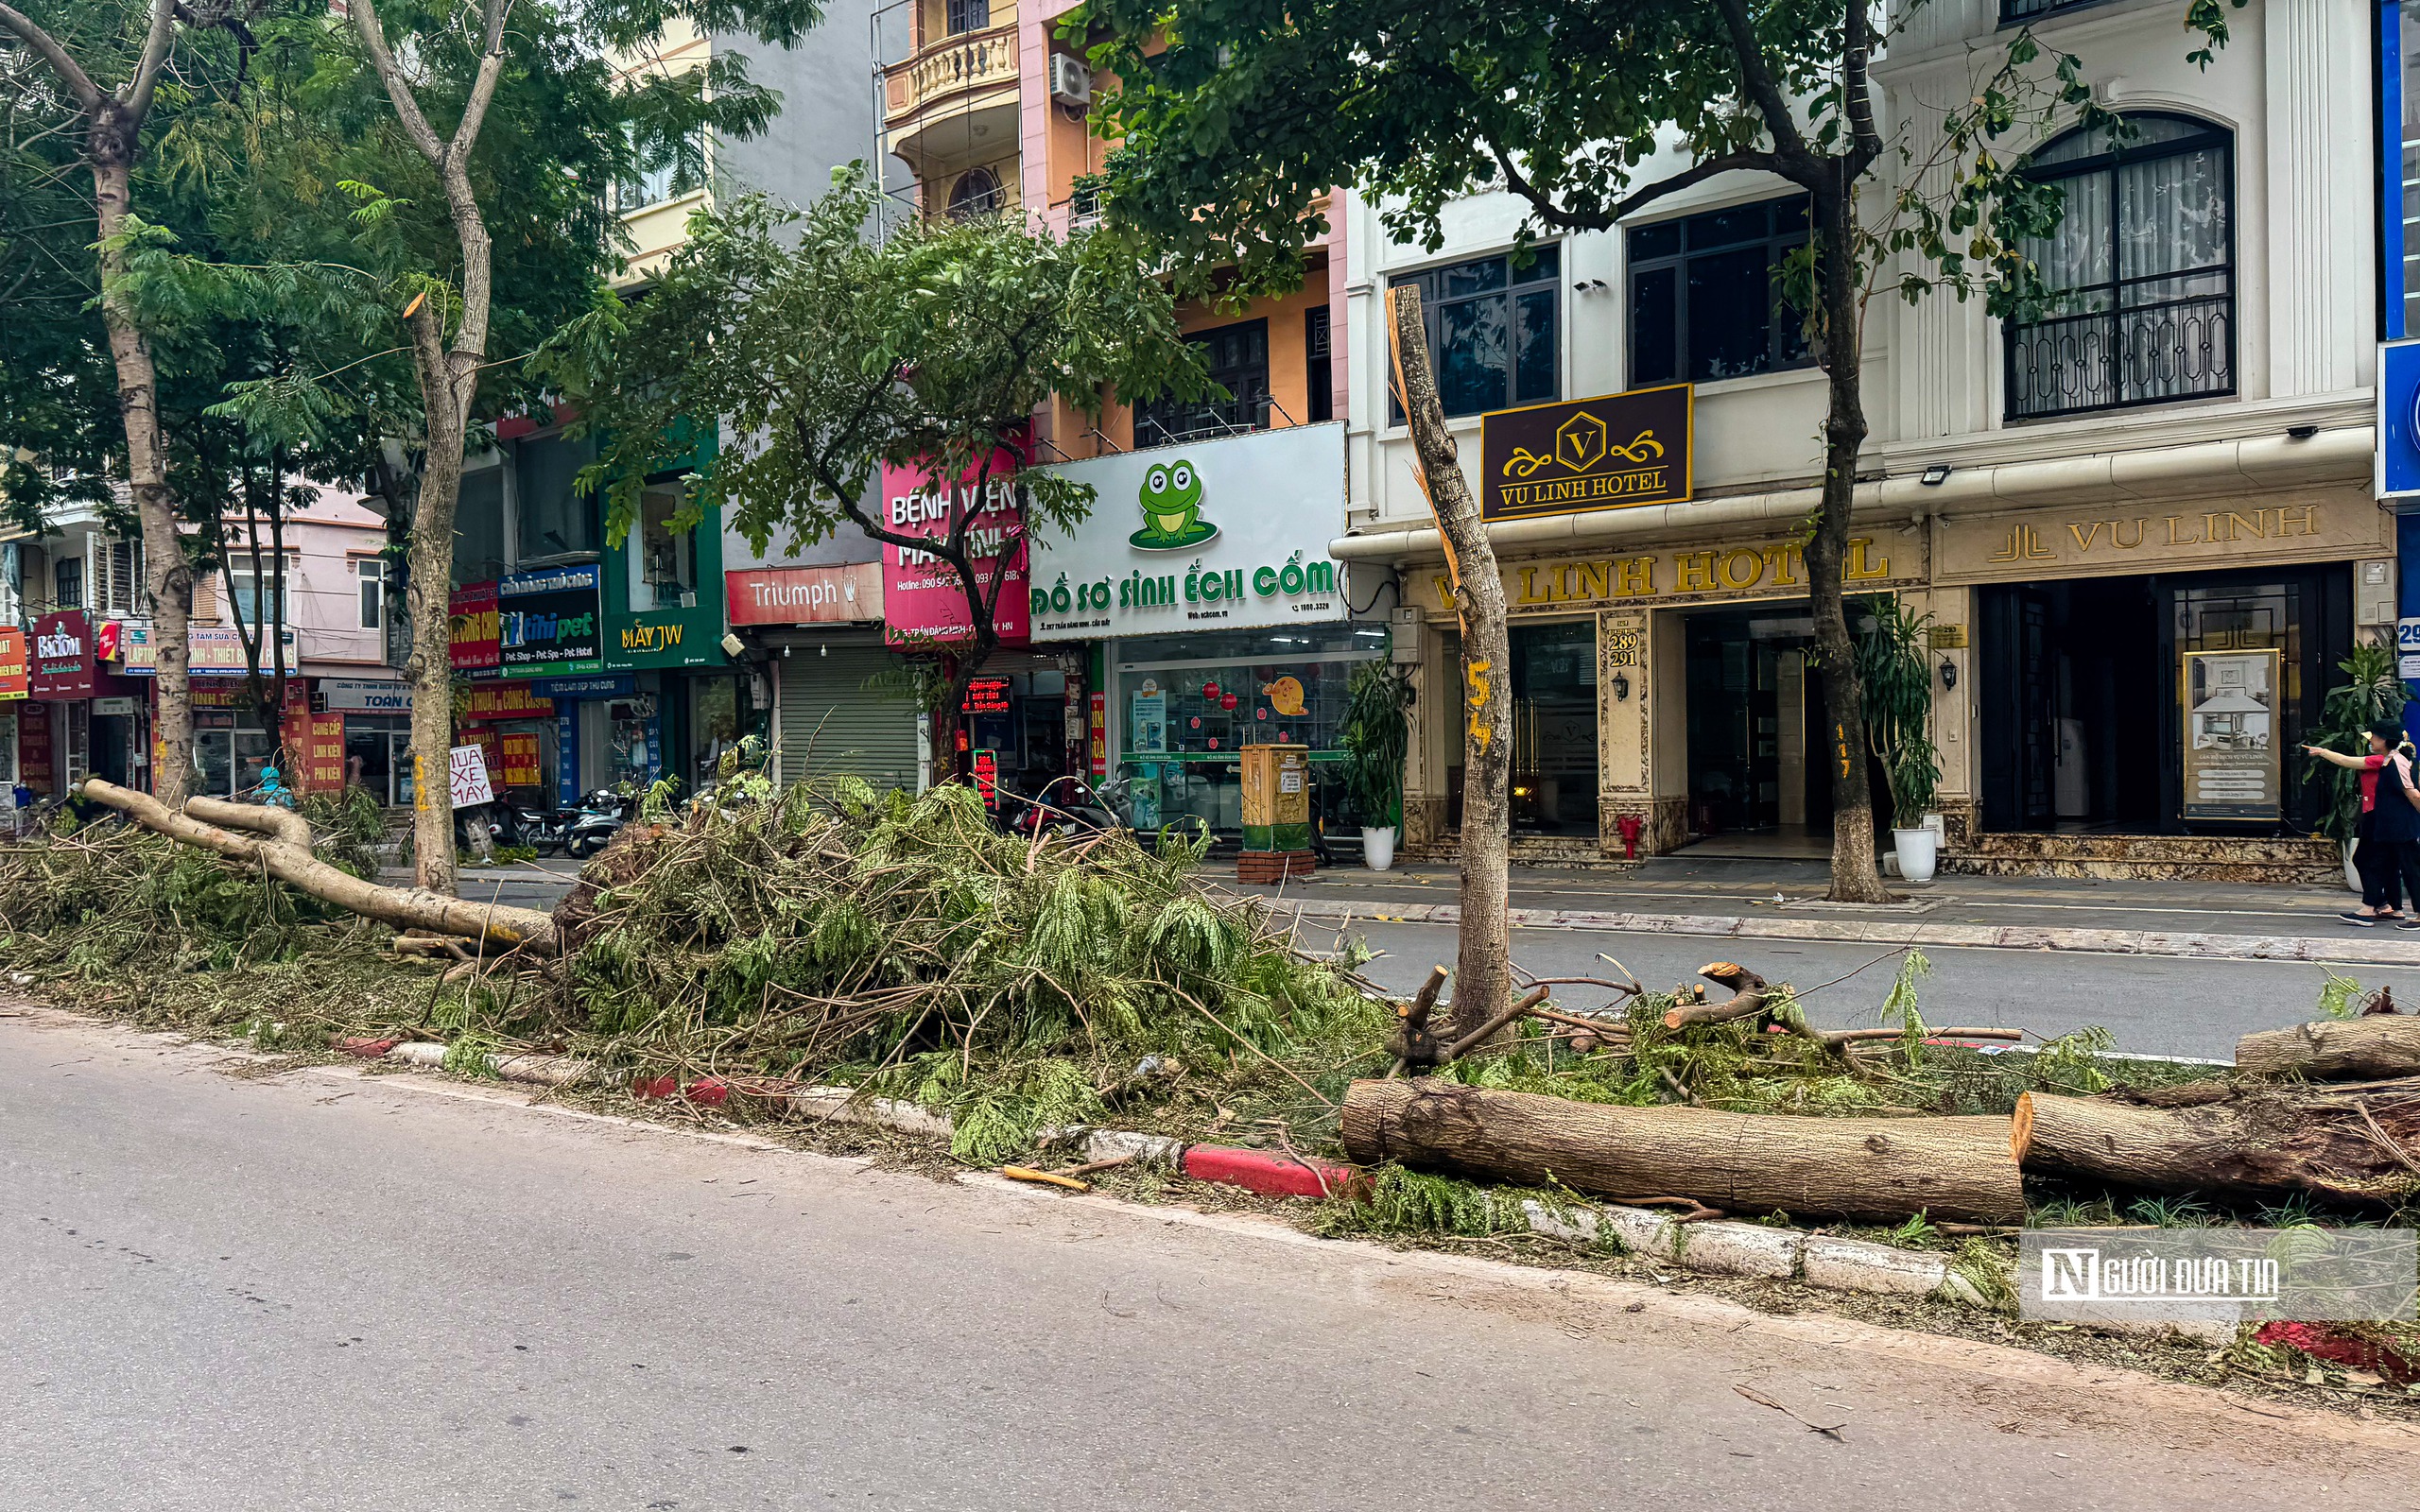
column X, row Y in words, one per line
column 829, row 723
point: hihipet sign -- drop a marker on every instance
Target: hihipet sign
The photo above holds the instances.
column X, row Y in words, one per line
column 1227, row 534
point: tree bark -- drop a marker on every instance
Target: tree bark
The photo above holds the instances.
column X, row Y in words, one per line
column 1483, row 966
column 279, row 842
column 1840, row 346
column 168, row 576
column 2334, row 1049
column 1872, row 1169
column 2357, row 1143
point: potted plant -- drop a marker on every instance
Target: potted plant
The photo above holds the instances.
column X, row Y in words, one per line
column 1897, row 674
column 2370, row 691
column 1376, row 735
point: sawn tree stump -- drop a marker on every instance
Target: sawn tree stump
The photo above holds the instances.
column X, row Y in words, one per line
column 2356, row 1143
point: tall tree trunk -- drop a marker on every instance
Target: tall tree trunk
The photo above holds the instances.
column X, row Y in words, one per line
column 1483, row 969
column 168, row 577
column 449, row 384
column 1853, row 878
column 429, row 577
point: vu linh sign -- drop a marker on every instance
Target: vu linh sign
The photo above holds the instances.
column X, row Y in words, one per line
column 1613, row 452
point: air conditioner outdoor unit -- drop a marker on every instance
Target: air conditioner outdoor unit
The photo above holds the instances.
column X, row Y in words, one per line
column 1071, row 82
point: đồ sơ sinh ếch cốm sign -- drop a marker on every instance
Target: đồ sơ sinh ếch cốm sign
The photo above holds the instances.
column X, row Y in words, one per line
column 1224, row 534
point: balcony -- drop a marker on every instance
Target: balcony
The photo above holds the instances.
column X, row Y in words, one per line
column 953, row 100
column 2144, row 353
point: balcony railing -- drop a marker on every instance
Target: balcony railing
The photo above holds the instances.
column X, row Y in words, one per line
column 974, row 60
column 1168, row 424
column 2143, row 355
column 2014, row 11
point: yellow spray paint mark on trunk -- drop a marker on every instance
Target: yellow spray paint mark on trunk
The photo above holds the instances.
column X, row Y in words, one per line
column 1482, row 729
column 1840, row 740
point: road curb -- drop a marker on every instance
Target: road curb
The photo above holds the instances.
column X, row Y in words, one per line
column 2310, row 948
column 1719, row 1249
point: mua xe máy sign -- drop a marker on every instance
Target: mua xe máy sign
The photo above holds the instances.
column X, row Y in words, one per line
column 1226, row 534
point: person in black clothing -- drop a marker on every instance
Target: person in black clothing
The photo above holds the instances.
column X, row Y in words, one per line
column 2386, row 853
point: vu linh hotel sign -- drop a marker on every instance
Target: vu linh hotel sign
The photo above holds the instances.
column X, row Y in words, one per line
column 1613, row 452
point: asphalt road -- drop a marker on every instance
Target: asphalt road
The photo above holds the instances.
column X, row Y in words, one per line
column 331, row 1291
column 2155, row 1004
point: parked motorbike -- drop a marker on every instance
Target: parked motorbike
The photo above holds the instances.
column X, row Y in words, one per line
column 544, row 830
column 592, row 827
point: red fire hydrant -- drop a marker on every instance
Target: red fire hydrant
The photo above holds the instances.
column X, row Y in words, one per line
column 1631, row 826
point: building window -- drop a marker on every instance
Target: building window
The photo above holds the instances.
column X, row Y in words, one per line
column 667, row 557
column 119, row 590
column 254, row 598
column 479, row 525
column 556, row 520
column 67, row 578
column 662, row 171
column 976, row 192
column 374, row 592
column 1238, row 357
column 969, row 15
column 1319, row 364
column 1705, row 300
column 2141, row 273
column 2014, row 11
column 2399, row 116
column 1492, row 331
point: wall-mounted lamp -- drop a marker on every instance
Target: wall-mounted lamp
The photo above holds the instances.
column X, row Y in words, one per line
column 2301, row 432
column 1621, row 686
column 1935, row 476
column 1948, row 673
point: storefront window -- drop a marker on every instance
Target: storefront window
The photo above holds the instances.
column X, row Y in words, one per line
column 1553, row 703
column 714, row 723
column 1188, row 703
column 231, row 759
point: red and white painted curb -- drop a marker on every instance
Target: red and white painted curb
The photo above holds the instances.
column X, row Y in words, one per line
column 1717, row 1247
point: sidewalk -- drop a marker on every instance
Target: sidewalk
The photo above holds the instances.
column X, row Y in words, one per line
column 1783, row 900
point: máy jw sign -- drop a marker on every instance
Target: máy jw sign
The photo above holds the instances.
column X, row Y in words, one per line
column 1228, row 534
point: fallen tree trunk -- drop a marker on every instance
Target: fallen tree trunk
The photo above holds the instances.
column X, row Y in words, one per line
column 1869, row 1168
column 2367, row 1049
column 2356, row 1143
column 279, row 842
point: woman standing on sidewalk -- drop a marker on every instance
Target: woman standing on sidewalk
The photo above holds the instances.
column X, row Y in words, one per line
column 2386, row 849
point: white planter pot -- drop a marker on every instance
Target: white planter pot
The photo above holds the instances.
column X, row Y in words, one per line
column 1916, row 850
column 1378, row 847
column 2352, row 878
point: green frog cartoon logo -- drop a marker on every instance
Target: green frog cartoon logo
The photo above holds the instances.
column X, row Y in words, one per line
column 1171, row 501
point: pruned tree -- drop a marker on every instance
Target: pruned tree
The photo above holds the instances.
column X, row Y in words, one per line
column 828, row 353
column 1234, row 124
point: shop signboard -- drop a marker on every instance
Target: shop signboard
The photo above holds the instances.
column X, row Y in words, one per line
column 14, row 676
column 63, row 664
column 1226, row 534
column 506, row 700
column 571, row 690
column 2233, row 763
column 804, row 595
column 364, row 695
column 923, row 601
column 518, row 753
column 986, row 695
column 548, row 623
column 1577, row 455
column 323, row 755
column 34, row 771
column 471, row 632
column 210, row 649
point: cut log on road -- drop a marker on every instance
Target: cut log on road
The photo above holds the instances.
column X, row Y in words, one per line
column 279, row 842
column 1869, row 1168
column 1748, row 993
column 2355, row 1142
column 2368, row 1049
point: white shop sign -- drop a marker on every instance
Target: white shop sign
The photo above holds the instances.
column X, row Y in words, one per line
column 1232, row 535
column 466, row 775
column 365, row 696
